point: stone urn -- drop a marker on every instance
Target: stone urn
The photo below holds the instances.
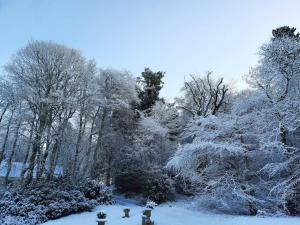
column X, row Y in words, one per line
column 146, row 220
column 147, row 212
column 101, row 218
column 126, row 213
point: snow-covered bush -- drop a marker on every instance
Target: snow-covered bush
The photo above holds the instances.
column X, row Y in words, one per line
column 246, row 161
column 153, row 184
column 150, row 204
column 236, row 163
column 213, row 172
column 221, row 166
column 157, row 186
column 129, row 179
column 292, row 200
column 40, row 202
column 94, row 190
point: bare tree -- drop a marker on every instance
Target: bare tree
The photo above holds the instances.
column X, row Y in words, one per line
column 203, row 95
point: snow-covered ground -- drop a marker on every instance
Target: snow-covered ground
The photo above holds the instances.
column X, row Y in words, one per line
column 167, row 215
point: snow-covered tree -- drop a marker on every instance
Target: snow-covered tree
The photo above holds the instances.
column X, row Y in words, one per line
column 46, row 77
column 246, row 160
column 203, row 95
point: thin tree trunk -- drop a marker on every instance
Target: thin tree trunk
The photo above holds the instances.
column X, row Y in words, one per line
column 108, row 172
column 38, row 164
column 9, row 161
column 99, row 143
column 78, row 142
column 88, row 151
column 55, row 151
column 6, row 138
column 3, row 112
column 43, row 157
column 283, row 134
column 24, row 167
column 52, row 158
column 57, row 144
column 85, row 170
column 56, row 157
column 36, row 146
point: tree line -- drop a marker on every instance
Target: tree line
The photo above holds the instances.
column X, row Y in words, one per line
column 236, row 152
column 59, row 109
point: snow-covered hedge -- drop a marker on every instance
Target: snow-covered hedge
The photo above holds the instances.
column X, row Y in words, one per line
column 44, row 201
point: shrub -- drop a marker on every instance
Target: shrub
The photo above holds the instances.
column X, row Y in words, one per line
column 292, row 200
column 44, row 201
column 153, row 184
column 157, row 186
column 130, row 181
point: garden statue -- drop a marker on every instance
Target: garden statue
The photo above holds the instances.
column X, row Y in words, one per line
column 101, row 217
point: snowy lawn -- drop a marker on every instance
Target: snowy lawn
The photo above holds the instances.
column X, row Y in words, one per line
column 166, row 215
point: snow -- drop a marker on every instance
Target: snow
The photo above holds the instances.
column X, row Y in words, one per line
column 153, row 126
column 167, row 214
column 17, row 167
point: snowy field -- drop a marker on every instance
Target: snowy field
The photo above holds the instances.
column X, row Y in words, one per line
column 167, row 215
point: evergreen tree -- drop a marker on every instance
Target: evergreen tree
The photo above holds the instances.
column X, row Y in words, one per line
column 285, row 31
column 150, row 85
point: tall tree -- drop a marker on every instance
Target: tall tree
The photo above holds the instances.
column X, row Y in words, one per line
column 277, row 78
column 46, row 76
column 150, row 85
column 116, row 91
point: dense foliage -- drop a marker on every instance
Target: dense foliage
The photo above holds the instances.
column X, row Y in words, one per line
column 246, row 160
column 150, row 84
column 44, row 201
column 153, row 184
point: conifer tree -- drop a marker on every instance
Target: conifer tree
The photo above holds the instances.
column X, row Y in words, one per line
column 150, row 84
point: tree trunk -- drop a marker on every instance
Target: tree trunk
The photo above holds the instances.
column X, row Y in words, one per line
column 78, row 142
column 43, row 157
column 283, row 133
column 36, row 146
column 57, row 145
column 53, row 156
column 98, row 145
column 88, row 154
column 38, row 164
column 6, row 138
column 24, row 167
column 9, row 161
column 108, row 172
column 85, row 170
column 3, row 112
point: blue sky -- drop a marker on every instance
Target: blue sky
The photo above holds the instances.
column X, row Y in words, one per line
column 177, row 36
